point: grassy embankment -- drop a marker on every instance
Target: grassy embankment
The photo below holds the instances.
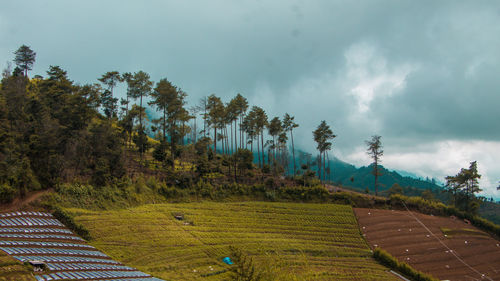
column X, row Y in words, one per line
column 288, row 241
column 12, row 270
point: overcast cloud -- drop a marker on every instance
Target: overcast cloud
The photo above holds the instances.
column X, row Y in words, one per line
column 423, row 74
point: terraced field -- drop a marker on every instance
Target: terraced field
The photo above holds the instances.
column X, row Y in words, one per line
column 41, row 239
column 13, row 270
column 447, row 248
column 287, row 240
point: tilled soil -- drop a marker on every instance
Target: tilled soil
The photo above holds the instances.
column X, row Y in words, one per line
column 399, row 233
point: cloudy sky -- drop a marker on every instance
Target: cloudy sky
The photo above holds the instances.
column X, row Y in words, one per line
column 425, row 75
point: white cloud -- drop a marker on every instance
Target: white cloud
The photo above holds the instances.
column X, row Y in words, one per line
column 440, row 159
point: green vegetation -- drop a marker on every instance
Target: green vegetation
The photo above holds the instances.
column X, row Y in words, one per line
column 322, row 136
column 12, row 270
column 55, row 133
column 463, row 187
column 375, row 151
column 490, row 211
column 284, row 240
column 68, row 220
column 387, row 259
column 462, row 231
column 440, row 209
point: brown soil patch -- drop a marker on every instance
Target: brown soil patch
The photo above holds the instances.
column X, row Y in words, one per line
column 399, row 233
column 20, row 203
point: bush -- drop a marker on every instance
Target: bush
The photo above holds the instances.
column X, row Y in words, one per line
column 244, row 268
column 388, row 260
column 68, row 220
column 435, row 208
column 7, row 193
column 269, row 182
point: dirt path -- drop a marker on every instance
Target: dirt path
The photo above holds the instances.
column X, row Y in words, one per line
column 428, row 248
column 19, row 203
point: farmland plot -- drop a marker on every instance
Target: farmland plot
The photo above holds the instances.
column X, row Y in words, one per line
column 447, row 248
column 59, row 254
column 286, row 240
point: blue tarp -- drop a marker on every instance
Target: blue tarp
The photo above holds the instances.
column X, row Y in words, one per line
column 227, row 260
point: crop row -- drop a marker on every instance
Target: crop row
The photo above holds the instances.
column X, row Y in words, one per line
column 310, row 241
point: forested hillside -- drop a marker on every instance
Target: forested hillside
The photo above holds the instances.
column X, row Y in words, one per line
column 56, row 133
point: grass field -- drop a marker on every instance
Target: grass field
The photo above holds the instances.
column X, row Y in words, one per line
column 12, row 270
column 287, row 240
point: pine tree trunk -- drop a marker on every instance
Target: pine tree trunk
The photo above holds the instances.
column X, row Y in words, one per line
column 215, row 140
column 258, row 151
column 319, row 167
column 262, row 144
column 293, row 154
column 140, row 128
column 172, row 146
column 164, row 125
column 324, row 165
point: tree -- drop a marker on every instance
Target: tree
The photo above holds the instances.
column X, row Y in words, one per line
column 282, row 151
column 242, row 107
column 92, row 94
column 395, row 189
column 274, row 129
column 375, row 151
column 109, row 104
column 248, row 126
column 139, row 86
column 288, row 126
column 126, row 78
column 244, row 159
column 110, row 79
column 163, row 96
column 170, row 100
column 232, row 115
column 464, row 186
column 427, row 195
column 260, row 124
column 215, row 109
column 25, row 58
column 322, row 136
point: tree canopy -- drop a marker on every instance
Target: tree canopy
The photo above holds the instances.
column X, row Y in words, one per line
column 375, row 151
column 25, row 58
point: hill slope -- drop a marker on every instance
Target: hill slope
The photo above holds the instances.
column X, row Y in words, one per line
column 287, row 240
column 432, row 249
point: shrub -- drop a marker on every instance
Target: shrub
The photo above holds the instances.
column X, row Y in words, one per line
column 7, row 193
column 269, row 182
column 388, row 260
column 435, row 208
column 244, row 268
column 68, row 220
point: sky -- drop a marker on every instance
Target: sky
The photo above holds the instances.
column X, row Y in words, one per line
column 425, row 75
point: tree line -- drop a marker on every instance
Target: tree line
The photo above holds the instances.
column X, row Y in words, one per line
column 53, row 130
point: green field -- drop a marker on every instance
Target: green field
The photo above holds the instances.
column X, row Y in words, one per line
column 287, row 240
column 13, row 270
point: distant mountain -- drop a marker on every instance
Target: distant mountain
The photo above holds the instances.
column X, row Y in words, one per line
column 407, row 174
column 490, row 211
column 348, row 175
column 362, row 178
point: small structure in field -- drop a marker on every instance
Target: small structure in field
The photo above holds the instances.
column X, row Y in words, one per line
column 38, row 266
